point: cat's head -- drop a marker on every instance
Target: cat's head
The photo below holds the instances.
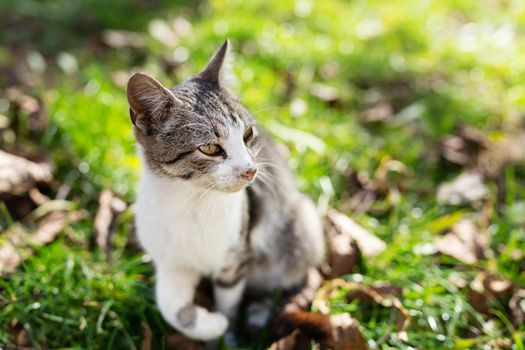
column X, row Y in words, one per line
column 197, row 131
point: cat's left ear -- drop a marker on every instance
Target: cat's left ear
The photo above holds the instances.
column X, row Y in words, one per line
column 218, row 70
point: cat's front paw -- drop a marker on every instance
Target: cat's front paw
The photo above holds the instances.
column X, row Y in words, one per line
column 208, row 326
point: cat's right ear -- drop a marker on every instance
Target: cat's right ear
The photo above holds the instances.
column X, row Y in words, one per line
column 149, row 101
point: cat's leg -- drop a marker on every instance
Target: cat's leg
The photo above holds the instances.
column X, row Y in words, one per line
column 227, row 300
column 228, row 297
column 175, row 289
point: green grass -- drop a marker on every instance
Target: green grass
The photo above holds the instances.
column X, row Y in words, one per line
column 438, row 64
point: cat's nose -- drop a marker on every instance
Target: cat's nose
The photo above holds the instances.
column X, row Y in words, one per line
column 249, row 173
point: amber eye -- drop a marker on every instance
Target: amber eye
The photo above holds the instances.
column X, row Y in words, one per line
column 211, row 150
column 248, row 134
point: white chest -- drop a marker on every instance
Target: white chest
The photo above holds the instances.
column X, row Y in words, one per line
column 181, row 225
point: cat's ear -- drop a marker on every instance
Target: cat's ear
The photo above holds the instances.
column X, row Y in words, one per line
column 218, row 70
column 149, row 101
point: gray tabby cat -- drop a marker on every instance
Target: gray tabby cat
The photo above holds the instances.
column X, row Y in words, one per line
column 215, row 200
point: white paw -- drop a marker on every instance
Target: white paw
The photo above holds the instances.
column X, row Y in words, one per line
column 208, row 326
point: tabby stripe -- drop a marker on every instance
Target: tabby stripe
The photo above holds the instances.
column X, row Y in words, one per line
column 178, row 157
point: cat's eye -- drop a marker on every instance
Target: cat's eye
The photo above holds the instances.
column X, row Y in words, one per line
column 248, row 134
column 211, row 150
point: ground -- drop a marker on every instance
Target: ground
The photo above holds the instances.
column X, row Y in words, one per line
column 378, row 105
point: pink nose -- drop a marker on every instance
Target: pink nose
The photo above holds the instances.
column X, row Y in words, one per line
column 249, row 174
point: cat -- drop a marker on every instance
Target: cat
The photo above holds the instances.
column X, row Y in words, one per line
column 215, row 200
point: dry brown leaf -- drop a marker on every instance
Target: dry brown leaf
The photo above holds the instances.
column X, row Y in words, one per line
column 49, row 227
column 18, row 175
column 110, row 208
column 517, row 307
column 464, row 146
column 17, row 241
column 123, row 38
column 343, row 253
column 486, row 289
column 294, row 341
column 22, row 339
column 31, row 106
column 147, row 338
column 383, row 294
column 466, row 188
column 368, row 243
column 379, row 293
column 9, row 258
column 177, row 341
column 380, row 112
column 301, row 301
column 346, row 334
column 343, row 256
column 18, row 335
column 11, row 252
column 510, row 150
column 339, row 332
column 324, row 92
column 466, row 242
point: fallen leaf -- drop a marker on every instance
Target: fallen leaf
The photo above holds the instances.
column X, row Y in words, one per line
column 465, row 242
column 381, row 112
column 18, row 241
column 38, row 197
column 330, row 69
column 510, row 150
column 147, row 336
column 22, row 339
column 49, row 227
column 19, row 175
column 517, row 308
column 486, row 289
column 343, row 256
column 324, row 92
column 37, row 118
column 177, row 341
column 298, row 302
column 368, row 243
column 294, row 341
column 346, row 334
column 9, row 258
column 123, row 38
column 338, row 332
column 379, row 293
column 343, row 252
column 387, row 296
column 382, row 294
column 11, row 251
column 110, row 208
column 18, row 335
column 464, row 146
column 466, row 188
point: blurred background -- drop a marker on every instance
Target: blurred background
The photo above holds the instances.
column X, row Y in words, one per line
column 407, row 116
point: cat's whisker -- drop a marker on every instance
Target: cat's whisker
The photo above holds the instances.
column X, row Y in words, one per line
column 211, row 206
column 269, row 183
column 203, row 192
